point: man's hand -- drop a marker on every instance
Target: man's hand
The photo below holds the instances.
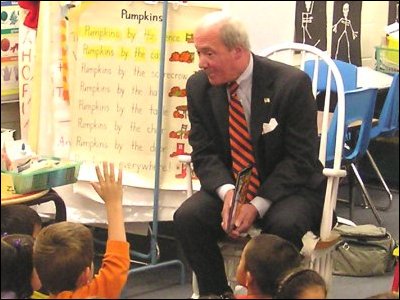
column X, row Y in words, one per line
column 245, row 217
column 225, row 210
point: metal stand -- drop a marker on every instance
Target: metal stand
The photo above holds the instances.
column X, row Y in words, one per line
column 153, row 255
column 390, row 196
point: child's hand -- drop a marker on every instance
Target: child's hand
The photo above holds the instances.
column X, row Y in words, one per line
column 107, row 188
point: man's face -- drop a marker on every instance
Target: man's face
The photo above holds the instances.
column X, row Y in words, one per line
column 214, row 57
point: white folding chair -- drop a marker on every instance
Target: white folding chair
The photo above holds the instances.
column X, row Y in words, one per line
column 316, row 249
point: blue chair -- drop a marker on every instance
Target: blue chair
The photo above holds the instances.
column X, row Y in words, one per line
column 359, row 110
column 388, row 125
column 348, row 72
column 319, row 76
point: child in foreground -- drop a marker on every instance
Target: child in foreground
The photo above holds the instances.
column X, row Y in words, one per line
column 63, row 252
column 18, row 222
column 301, row 284
column 264, row 260
column 19, row 279
column 20, row 219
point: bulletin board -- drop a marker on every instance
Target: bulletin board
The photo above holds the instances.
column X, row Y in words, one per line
column 114, row 88
column 9, row 50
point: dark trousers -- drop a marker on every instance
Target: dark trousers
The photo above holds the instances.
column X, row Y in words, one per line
column 198, row 228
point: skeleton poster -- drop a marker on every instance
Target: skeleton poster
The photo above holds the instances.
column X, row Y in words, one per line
column 393, row 12
column 346, row 32
column 310, row 23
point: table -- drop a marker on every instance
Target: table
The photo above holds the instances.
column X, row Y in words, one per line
column 40, row 197
column 22, row 198
column 367, row 77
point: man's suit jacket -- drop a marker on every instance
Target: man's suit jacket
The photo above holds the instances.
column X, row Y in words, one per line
column 286, row 157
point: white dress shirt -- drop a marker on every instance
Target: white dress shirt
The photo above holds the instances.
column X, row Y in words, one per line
column 244, row 94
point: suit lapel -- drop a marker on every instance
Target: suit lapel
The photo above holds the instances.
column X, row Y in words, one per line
column 220, row 109
column 261, row 95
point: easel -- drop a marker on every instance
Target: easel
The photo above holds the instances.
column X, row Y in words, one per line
column 152, row 256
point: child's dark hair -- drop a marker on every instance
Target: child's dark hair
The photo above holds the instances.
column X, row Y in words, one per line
column 8, row 261
column 19, row 219
column 17, row 264
column 296, row 281
column 267, row 257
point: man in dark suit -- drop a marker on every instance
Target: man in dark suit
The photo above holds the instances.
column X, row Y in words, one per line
column 280, row 109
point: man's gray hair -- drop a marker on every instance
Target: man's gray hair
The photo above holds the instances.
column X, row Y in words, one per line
column 233, row 32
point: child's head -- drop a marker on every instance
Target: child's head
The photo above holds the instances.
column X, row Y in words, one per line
column 17, row 272
column 20, row 219
column 264, row 259
column 63, row 256
column 8, row 262
column 301, row 284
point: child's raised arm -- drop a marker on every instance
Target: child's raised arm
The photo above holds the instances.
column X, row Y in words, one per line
column 111, row 193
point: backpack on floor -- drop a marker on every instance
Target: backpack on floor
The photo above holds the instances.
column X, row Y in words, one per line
column 365, row 250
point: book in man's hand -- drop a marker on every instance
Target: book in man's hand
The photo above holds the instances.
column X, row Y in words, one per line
column 239, row 196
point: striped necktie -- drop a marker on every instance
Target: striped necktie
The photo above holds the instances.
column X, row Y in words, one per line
column 241, row 147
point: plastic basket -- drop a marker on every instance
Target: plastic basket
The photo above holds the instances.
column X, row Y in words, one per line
column 66, row 173
column 393, row 43
column 387, row 60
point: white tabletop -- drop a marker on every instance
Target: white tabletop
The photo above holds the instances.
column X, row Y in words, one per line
column 367, row 77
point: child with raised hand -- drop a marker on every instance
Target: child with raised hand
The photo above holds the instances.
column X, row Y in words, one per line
column 301, row 284
column 19, row 279
column 63, row 252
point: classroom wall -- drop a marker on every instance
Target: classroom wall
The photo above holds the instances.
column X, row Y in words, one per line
column 374, row 18
column 268, row 23
column 272, row 22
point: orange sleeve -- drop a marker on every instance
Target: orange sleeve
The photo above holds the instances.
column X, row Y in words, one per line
column 112, row 276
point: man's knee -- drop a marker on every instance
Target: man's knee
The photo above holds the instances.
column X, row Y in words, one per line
column 189, row 214
column 181, row 217
column 289, row 229
column 285, row 226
